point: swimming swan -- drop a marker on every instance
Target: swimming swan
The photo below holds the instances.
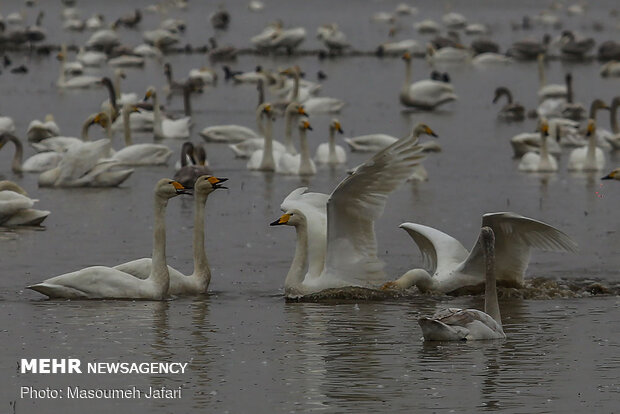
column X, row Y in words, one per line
column 543, row 161
column 101, row 282
column 450, row 267
column 245, row 149
column 425, row 94
column 165, row 127
column 265, row 159
column 198, row 281
column 512, row 111
column 329, row 152
column 299, row 164
column 351, row 246
column 454, row 324
column 590, row 157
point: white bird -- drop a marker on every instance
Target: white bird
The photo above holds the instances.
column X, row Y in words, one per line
column 351, row 246
column 543, row 161
column 447, row 54
column 103, row 39
column 263, row 39
column 454, row 20
column 329, row 152
column 198, row 282
column 370, row 143
column 449, row 267
column 333, row 38
column 91, row 58
column 299, row 164
column 289, row 39
column 454, row 324
column 38, row 130
column 488, row 58
column 610, row 69
column 16, row 208
column 83, row 81
column 547, row 91
column 37, row 163
column 614, row 138
column 266, row 158
column 245, row 149
column 126, row 61
column 165, row 127
column 7, row 124
column 427, row 26
column 202, row 76
column 101, row 282
column 425, row 94
column 398, row 48
column 590, row 157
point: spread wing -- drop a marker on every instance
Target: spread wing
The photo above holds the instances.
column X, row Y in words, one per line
column 354, row 206
column 441, row 253
column 515, row 235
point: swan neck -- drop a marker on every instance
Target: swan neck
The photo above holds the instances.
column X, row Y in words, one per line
column 261, row 92
column 157, row 128
column 509, row 96
column 61, row 76
column 332, row 144
column 259, row 122
column 491, row 305
column 85, row 127
column 613, row 113
column 187, row 101
column 407, row 73
column 542, row 80
column 306, row 163
column 159, row 270
column 127, row 126
column 590, row 154
column 18, row 156
column 112, row 96
column 201, row 264
column 296, row 86
column 268, row 162
column 288, row 132
column 296, row 273
column 117, row 85
column 569, row 90
column 544, row 153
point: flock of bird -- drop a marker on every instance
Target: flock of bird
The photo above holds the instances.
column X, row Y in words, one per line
column 336, row 243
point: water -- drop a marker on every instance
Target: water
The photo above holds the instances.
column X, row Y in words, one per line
column 248, row 349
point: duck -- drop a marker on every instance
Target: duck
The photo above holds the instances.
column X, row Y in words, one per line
column 426, row 94
column 543, row 161
column 349, row 257
column 454, row 324
column 512, row 111
column 329, row 152
column 101, row 282
column 590, row 157
column 299, row 164
column 165, row 127
column 450, row 268
column 198, row 282
column 16, row 207
column 189, row 173
column 38, row 130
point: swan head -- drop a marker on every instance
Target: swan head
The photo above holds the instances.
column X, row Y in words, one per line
column 501, row 90
column 406, row 56
column 167, row 188
column 304, row 125
column 423, row 129
column 596, row 105
column 591, row 128
column 336, row 126
column 543, row 127
column 206, row 184
column 101, row 119
column 150, row 92
column 291, row 217
column 614, row 175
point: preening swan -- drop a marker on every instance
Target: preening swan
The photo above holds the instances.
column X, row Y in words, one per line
column 470, row 324
column 299, row 164
column 100, row 282
column 351, row 246
column 590, row 157
column 329, row 152
column 543, row 161
column 38, row 130
column 512, row 111
column 165, row 127
column 198, row 281
column 425, row 94
column 450, row 267
column 16, row 207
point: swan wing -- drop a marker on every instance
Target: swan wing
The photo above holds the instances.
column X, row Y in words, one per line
column 81, row 158
column 515, row 235
column 441, row 253
column 356, row 203
column 300, row 198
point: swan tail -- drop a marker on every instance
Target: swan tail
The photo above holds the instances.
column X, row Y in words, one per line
column 57, row 291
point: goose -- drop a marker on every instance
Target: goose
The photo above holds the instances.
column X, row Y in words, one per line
column 548, row 91
column 610, row 69
column 188, row 174
column 329, row 152
column 83, row 81
column 137, row 154
column 350, row 244
column 454, row 324
column 590, row 157
column 425, row 94
column 613, row 175
column 449, row 267
column 265, row 159
column 614, row 138
column 86, row 164
column 512, row 111
column 165, row 127
column 299, row 164
column 16, row 207
column 543, row 161
column 101, row 282
column 37, row 163
column 198, row 282
column 245, row 149
column 38, row 130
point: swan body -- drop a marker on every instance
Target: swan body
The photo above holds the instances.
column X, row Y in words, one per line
column 266, row 158
column 100, row 282
column 288, row 38
column 329, row 152
column 197, row 166
column 205, row 76
column 127, row 61
column 610, row 69
column 489, row 59
column 165, row 127
column 454, row 20
column 425, row 94
column 198, row 282
column 299, row 164
column 321, row 105
column 246, row 148
column 7, row 124
column 448, row 54
column 427, row 26
column 543, row 161
column 350, row 252
column 470, row 324
column 450, row 267
column 370, row 143
column 547, row 91
column 398, row 48
column 104, row 39
column 148, row 51
column 531, row 142
column 38, row 130
column 42, row 161
column 91, row 58
column 16, row 210
column 228, row 133
column 512, row 111
column 590, row 157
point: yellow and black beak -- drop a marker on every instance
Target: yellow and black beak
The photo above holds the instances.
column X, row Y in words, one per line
column 215, row 182
column 430, row 132
column 307, row 125
column 339, row 128
column 302, row 111
column 180, row 189
column 135, row 109
column 147, row 95
column 281, row 221
column 608, row 177
column 406, row 56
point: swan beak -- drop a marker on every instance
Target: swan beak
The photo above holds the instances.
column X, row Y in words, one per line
column 339, row 128
column 215, row 182
column 306, row 125
column 282, row 220
column 430, row 132
column 607, row 177
column 180, row 189
column 135, row 109
column 147, row 95
column 407, row 56
column 302, row 111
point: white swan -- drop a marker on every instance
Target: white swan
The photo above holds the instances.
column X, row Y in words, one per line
column 351, row 246
column 38, row 130
column 425, row 94
column 265, row 159
column 543, row 161
column 126, row 61
column 165, row 127
column 329, row 152
column 299, row 164
column 16, row 208
column 447, row 54
column 78, row 82
column 450, row 267
column 548, row 91
column 590, row 157
column 489, row 58
column 91, row 58
column 289, row 39
column 245, row 149
column 427, row 26
column 614, row 138
column 7, row 124
column 37, row 163
column 101, row 282
column 531, row 142
column 198, row 282
column 611, row 68
column 470, row 324
column 398, row 48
